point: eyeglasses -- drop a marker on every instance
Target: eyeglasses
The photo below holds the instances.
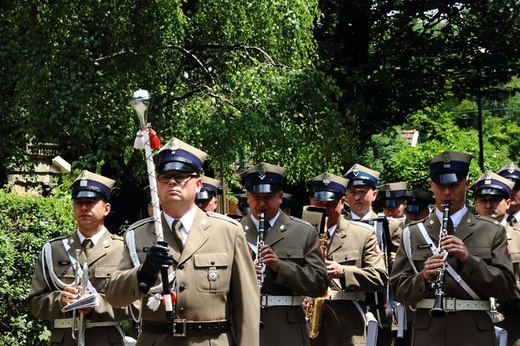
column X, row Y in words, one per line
column 180, row 178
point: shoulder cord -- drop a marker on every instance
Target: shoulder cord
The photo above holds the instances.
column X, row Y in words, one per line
column 449, row 268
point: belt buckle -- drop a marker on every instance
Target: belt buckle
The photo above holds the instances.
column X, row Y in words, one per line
column 182, row 323
column 451, row 304
column 264, row 300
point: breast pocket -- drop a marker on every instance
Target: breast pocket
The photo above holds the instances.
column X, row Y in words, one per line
column 420, row 256
column 347, row 257
column 481, row 252
column 102, row 274
column 291, row 254
column 213, row 272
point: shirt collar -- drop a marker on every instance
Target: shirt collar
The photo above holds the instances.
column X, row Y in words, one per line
column 95, row 238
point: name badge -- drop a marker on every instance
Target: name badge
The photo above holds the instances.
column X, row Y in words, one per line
column 424, row 246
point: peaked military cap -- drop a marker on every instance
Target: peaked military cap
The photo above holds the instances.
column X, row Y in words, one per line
column 491, row 183
column 449, row 167
column 287, row 200
column 327, row 187
column 179, row 156
column 92, row 185
column 511, row 172
column 242, row 204
column 359, row 175
column 209, row 189
column 263, row 178
column 418, row 200
column 392, row 194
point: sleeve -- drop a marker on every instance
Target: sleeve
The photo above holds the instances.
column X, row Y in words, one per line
column 123, row 288
column 372, row 275
column 44, row 302
column 496, row 278
column 245, row 294
column 309, row 279
column 408, row 286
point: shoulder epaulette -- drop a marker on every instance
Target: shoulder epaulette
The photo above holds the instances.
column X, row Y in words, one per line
column 61, row 237
column 488, row 219
column 116, row 237
column 301, row 221
column 140, row 223
column 361, row 224
column 222, row 217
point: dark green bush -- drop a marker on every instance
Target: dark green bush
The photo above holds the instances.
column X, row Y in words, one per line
column 26, row 223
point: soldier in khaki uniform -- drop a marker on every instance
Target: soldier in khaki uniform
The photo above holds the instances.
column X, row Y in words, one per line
column 206, row 198
column 511, row 307
column 217, row 300
column 477, row 254
column 418, row 205
column 55, row 282
column 355, row 265
column 293, row 265
column 361, row 194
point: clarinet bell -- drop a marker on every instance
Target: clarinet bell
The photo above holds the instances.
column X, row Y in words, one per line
column 438, row 307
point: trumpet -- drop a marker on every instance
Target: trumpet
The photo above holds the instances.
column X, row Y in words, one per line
column 79, row 324
column 438, row 282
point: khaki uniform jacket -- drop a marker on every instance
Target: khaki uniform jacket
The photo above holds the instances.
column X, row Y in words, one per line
column 488, row 271
column 511, row 307
column 45, row 303
column 216, row 245
column 394, row 226
column 354, row 246
column 302, row 273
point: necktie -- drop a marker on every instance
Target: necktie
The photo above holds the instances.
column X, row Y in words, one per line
column 87, row 246
column 176, row 229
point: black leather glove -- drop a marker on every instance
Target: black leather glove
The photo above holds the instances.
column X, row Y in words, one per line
column 157, row 257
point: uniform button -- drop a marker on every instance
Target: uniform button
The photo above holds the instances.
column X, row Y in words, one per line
column 425, row 256
column 181, row 266
column 181, row 310
column 212, row 261
column 181, row 288
column 288, row 255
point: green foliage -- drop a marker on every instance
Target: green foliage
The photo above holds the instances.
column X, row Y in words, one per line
column 26, row 223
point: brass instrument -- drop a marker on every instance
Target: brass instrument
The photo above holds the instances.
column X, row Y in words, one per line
column 259, row 243
column 318, row 303
column 438, row 282
column 314, row 311
column 80, row 324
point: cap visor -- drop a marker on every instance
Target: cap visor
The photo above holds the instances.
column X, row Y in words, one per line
column 447, row 178
column 176, row 166
column 264, row 188
column 326, row 196
column 87, row 194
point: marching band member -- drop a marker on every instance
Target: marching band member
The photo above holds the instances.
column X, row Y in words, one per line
column 293, row 265
column 473, row 263
column 355, row 265
column 213, row 285
column 52, row 285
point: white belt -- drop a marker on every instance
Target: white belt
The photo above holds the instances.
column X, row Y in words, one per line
column 269, row 300
column 340, row 295
column 68, row 323
column 453, row 304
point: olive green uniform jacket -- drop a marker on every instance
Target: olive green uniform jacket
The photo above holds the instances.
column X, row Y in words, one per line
column 302, row 273
column 354, row 246
column 45, row 303
column 488, row 271
column 215, row 280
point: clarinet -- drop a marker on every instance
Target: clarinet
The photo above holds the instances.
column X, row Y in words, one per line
column 259, row 244
column 438, row 282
